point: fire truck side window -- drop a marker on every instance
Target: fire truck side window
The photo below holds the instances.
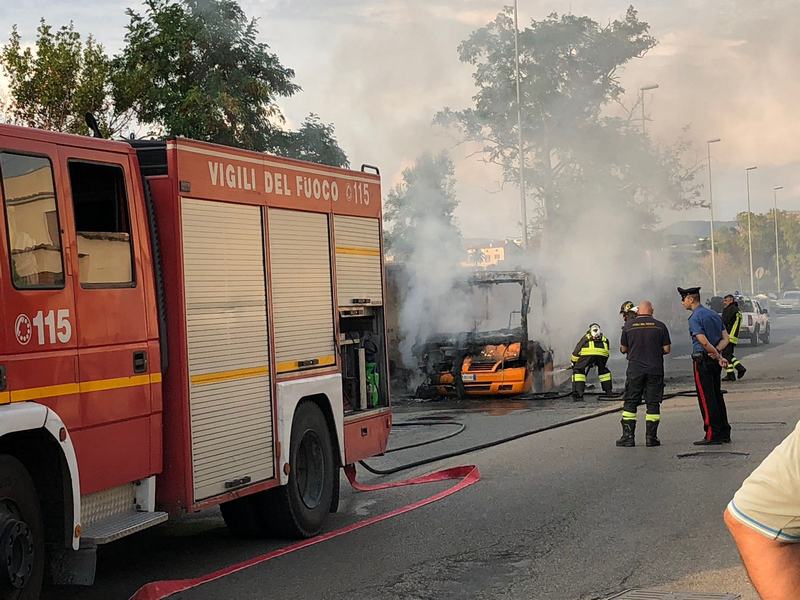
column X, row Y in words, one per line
column 102, row 225
column 32, row 221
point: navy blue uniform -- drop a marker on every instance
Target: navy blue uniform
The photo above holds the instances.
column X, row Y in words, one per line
column 707, row 374
column 645, row 338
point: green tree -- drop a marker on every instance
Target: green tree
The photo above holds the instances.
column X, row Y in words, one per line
column 55, row 83
column 190, row 67
column 315, row 141
column 196, row 68
column 419, row 212
column 576, row 156
column 732, row 245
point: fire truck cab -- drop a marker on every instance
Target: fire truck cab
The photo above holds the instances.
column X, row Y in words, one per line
column 182, row 325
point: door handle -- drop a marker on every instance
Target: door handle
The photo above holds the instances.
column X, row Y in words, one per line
column 140, row 362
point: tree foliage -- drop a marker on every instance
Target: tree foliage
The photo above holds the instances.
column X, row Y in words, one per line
column 576, row 155
column 733, row 259
column 197, row 69
column 419, row 210
column 189, row 67
column 315, row 142
column 53, row 84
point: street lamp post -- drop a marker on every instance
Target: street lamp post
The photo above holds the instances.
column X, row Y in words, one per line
column 749, row 230
column 711, row 208
column 522, row 204
column 777, row 250
column 643, row 90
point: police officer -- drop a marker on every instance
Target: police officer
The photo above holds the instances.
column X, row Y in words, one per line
column 709, row 338
column 591, row 351
column 645, row 340
column 732, row 319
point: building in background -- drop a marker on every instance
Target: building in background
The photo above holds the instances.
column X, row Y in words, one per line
column 488, row 253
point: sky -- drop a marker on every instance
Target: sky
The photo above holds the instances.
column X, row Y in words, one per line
column 380, row 70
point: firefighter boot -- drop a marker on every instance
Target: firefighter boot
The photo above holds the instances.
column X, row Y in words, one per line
column 730, row 375
column 740, row 370
column 628, row 439
column 608, row 388
column 651, row 437
column 578, row 388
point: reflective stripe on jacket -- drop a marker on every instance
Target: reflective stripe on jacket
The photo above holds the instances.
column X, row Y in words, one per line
column 589, row 347
column 734, row 332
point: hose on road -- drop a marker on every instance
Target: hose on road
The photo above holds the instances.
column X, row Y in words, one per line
column 432, row 459
column 461, row 428
column 498, row 442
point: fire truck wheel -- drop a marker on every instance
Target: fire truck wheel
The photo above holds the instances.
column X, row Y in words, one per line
column 21, row 533
column 242, row 517
column 298, row 509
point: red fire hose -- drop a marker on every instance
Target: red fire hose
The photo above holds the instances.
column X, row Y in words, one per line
column 465, row 475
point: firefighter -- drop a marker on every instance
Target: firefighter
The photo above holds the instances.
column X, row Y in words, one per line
column 732, row 319
column 645, row 340
column 628, row 311
column 591, row 351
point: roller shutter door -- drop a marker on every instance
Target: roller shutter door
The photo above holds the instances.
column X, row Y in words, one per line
column 228, row 344
column 301, row 290
column 358, row 261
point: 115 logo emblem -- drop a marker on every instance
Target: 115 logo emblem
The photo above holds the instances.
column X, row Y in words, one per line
column 49, row 327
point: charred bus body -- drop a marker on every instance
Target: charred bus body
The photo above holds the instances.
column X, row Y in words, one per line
column 488, row 361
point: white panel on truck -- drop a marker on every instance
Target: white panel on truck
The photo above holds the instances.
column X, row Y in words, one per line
column 358, row 261
column 301, row 290
column 226, row 318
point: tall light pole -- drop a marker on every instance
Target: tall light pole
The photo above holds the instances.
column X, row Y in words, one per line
column 749, row 230
column 522, row 204
column 777, row 250
column 711, row 207
column 643, row 90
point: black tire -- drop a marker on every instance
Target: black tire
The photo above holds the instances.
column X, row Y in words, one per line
column 242, row 517
column 754, row 337
column 765, row 337
column 21, row 533
column 299, row 509
column 336, row 496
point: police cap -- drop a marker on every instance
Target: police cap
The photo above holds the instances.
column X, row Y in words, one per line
column 686, row 291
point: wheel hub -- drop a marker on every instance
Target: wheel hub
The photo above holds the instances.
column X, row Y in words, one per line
column 310, row 470
column 16, row 553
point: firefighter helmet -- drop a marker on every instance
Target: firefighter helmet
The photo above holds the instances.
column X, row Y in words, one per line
column 595, row 331
column 627, row 306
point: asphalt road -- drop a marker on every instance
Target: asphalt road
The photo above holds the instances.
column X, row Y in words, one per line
column 559, row 515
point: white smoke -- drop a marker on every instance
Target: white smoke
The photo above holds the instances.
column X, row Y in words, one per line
column 429, row 302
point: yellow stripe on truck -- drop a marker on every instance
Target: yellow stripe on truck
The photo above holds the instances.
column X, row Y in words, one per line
column 207, row 378
column 49, row 391
column 102, row 385
column 66, row 389
column 294, row 365
column 358, row 251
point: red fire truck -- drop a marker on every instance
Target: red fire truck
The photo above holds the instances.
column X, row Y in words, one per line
column 184, row 325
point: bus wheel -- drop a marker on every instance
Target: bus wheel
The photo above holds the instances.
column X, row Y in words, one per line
column 21, row 533
column 299, row 508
